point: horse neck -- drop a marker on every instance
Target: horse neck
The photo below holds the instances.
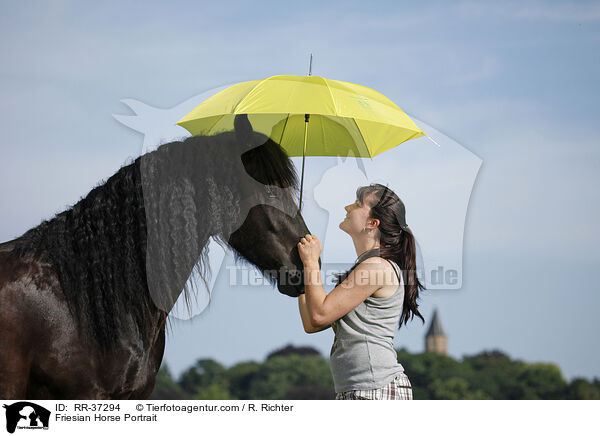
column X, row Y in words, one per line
column 97, row 250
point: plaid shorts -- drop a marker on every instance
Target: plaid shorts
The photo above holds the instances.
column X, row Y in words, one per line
column 398, row 389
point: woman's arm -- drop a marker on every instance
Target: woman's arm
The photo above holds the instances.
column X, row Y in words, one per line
column 308, row 327
column 323, row 308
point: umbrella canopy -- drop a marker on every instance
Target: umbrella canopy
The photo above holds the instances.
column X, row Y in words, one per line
column 308, row 116
column 344, row 116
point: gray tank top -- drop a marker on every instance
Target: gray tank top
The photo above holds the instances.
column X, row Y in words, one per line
column 363, row 355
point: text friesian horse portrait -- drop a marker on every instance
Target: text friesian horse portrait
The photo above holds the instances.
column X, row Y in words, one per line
column 85, row 295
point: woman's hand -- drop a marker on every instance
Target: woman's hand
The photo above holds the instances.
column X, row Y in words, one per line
column 309, row 248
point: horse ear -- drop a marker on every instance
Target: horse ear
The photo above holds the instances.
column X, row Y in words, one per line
column 243, row 129
column 245, row 135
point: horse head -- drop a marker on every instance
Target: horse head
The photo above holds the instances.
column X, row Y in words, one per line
column 273, row 225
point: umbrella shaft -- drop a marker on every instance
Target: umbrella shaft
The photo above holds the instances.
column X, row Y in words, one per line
column 302, row 182
column 306, row 117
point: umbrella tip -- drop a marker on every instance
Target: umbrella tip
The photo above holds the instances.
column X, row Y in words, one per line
column 431, row 139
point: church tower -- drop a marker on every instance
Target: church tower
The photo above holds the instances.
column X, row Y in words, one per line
column 435, row 340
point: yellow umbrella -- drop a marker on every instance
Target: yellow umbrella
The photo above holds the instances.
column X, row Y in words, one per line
column 308, row 116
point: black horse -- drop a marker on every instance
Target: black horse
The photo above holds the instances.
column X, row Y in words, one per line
column 84, row 296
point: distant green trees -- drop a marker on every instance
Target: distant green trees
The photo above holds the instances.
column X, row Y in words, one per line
column 293, row 373
column 297, row 373
column 489, row 375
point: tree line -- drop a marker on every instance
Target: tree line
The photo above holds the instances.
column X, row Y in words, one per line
column 302, row 373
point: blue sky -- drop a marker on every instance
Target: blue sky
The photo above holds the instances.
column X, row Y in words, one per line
column 515, row 83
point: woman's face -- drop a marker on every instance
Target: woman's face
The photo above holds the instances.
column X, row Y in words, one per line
column 357, row 215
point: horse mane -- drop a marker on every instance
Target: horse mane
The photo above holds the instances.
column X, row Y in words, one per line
column 97, row 247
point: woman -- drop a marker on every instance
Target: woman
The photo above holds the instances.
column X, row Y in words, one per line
column 365, row 308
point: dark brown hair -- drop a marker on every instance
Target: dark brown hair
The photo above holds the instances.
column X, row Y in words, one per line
column 397, row 243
